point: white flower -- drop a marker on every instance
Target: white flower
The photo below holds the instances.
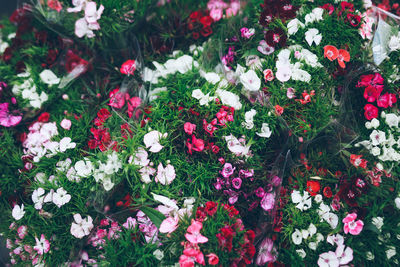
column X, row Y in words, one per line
column 81, row 227
column 63, row 165
column 320, row 237
column 229, row 99
column 38, row 198
column 394, row 43
column 61, row 197
column 331, row 218
column 66, row 124
column 370, row 256
column 3, row 47
column 140, row 158
column 203, row 99
column 337, row 239
column 397, row 202
column 318, row 198
column 392, row 120
column 48, row 77
column 107, row 183
column 378, row 222
column 66, row 143
column 390, row 252
column 254, row 62
column 165, row 175
column 301, row 253
column 299, row 74
column 303, row 202
column 49, row 197
column 18, row 212
column 211, row 77
column 312, row 229
column 265, row 131
column 294, row 25
column 312, row 245
column 375, row 123
column 158, row 254
column 248, row 117
column 377, row 137
column 78, row 6
column 297, row 237
column 250, row 81
column 83, row 168
column 313, row 36
column 284, row 72
column 376, row 151
column 165, row 201
column 145, row 173
column 236, row 147
column 152, row 140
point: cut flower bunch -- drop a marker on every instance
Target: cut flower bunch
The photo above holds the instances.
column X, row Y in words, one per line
column 200, row 133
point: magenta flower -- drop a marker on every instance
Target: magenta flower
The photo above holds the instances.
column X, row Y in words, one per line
column 227, row 170
column 259, row 192
column 351, row 225
column 189, row 127
column 266, row 253
column 237, row 183
column 6, row 119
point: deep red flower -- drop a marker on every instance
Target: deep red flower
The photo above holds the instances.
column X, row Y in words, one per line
column 7, row 54
column 346, row 6
column 211, row 208
column 276, row 37
column 103, row 114
column 313, row 187
column 201, row 214
column 195, row 35
column 287, row 10
column 225, row 237
column 266, row 17
column 327, row 192
column 371, row 112
column 195, row 16
column 386, row 100
column 17, row 15
column 354, row 20
column 206, row 21
column 41, row 37
column 44, row 117
column 206, row 31
column 329, row 8
column 51, row 56
column 74, row 61
column 371, row 93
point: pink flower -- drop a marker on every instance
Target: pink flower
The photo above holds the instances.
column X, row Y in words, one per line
column 371, row 111
column 237, row 183
column 22, row 231
column 209, row 127
column 189, row 127
column 193, row 233
column 169, row 225
column 268, row 201
column 386, row 100
column 65, row 124
column 130, row 223
column 290, row 93
column 351, row 225
column 268, row 75
column 54, row 4
column 185, row 261
column 227, row 170
column 117, row 98
column 267, row 252
column 133, row 103
column 212, row 259
column 216, row 14
column 371, row 93
column 42, row 245
column 196, row 145
column 247, row 33
column 128, row 67
column 6, row 119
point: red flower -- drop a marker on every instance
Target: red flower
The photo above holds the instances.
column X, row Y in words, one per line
column 206, row 31
column 125, row 130
column 327, row 192
column 371, row 93
column 54, row 4
column 195, row 35
column 346, row 6
column 44, row 117
column 201, row 214
column 225, row 238
column 371, row 112
column 266, row 17
column 51, row 56
column 195, row 16
column 354, row 20
column 206, row 21
column 342, row 57
column 278, row 110
column 117, row 98
column 357, row 161
column 211, row 208
column 17, row 15
column 275, row 37
column 128, row 67
column 313, row 187
column 196, row 145
column 74, row 61
column 209, row 127
column 133, row 103
column 212, row 259
column 386, row 100
column 329, row 8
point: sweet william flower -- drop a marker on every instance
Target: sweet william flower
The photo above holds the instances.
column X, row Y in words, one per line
column 189, row 127
column 169, row 225
column 351, row 225
column 212, row 259
column 264, row 48
column 266, row 253
column 370, row 111
column 81, row 227
column 61, row 197
column 297, row 237
column 55, row 5
column 66, row 124
column 18, row 212
column 48, row 77
column 250, row 81
column 268, row 201
column 313, row 36
column 265, row 131
column 42, row 245
column 128, row 67
column 193, row 233
column 152, row 141
column 331, row 52
column 166, row 175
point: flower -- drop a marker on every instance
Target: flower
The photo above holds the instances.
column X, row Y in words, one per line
column 247, row 33
column 378, row 222
column 55, row 5
column 18, row 212
column 193, row 233
column 354, row 20
column 386, row 100
column 81, row 227
column 342, row 57
column 236, row 183
column 212, row 259
column 66, row 124
column 264, row 48
column 22, row 231
column 266, row 253
column 169, row 225
column 313, row 36
column 48, row 77
column 42, row 245
column 83, row 168
column 152, row 140
column 130, row 223
column 328, row 259
column 165, row 175
column 38, row 198
column 196, row 145
column 128, row 67
column 61, row 197
column 371, row 93
column 268, row 75
column 357, row 161
column 227, row 170
column 268, row 201
column 297, row 237
column 265, row 131
column 294, row 25
column 371, row 111
column 276, row 37
column 303, row 202
column 313, row 187
column 6, row 119
column 331, row 52
column 66, row 143
column 229, row 99
column 351, row 225
column 250, row 81
column 204, row 99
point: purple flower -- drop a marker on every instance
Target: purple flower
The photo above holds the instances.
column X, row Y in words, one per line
column 237, row 183
column 268, row 201
column 259, row 192
column 233, row 196
column 246, row 173
column 227, row 170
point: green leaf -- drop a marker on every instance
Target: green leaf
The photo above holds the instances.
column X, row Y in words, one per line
column 154, row 215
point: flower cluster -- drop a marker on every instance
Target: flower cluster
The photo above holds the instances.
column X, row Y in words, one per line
column 86, row 25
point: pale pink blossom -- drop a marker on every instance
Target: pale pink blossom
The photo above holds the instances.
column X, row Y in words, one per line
column 42, row 245
column 66, row 124
column 351, row 225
